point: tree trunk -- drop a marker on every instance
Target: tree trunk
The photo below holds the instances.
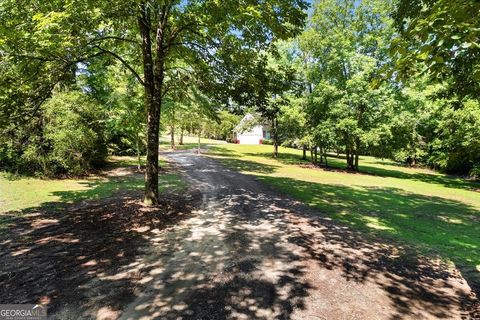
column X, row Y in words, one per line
column 154, row 71
column 356, row 160
column 304, row 157
column 172, row 130
column 153, row 109
column 357, row 150
column 151, row 172
column 275, row 137
column 347, row 151
column 172, row 137
column 316, row 155
column 199, row 143
column 139, row 157
column 181, row 136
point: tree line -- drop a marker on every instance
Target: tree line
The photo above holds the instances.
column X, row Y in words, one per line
column 81, row 79
column 161, row 43
column 386, row 79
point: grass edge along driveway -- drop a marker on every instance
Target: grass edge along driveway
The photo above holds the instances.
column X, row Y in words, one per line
column 20, row 194
column 438, row 214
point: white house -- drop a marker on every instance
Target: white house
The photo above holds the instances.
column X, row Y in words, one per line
column 250, row 131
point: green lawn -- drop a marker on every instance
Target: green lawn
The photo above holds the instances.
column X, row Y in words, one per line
column 438, row 213
column 19, row 194
column 188, row 143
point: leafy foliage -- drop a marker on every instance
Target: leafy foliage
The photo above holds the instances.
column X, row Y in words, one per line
column 344, row 46
column 223, row 128
column 440, row 38
column 327, row 90
column 68, row 139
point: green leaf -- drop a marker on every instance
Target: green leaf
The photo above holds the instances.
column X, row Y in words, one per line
column 438, row 59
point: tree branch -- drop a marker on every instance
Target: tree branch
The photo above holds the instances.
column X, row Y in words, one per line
column 125, row 63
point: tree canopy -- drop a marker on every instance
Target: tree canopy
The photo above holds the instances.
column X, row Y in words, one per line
column 345, row 78
column 42, row 44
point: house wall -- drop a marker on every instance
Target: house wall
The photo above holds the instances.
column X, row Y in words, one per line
column 252, row 137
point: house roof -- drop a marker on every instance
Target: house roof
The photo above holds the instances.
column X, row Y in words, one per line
column 244, row 124
column 247, row 118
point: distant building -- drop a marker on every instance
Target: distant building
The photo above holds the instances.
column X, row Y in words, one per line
column 250, row 131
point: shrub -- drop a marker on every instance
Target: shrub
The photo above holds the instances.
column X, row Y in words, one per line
column 267, row 141
column 475, row 172
column 74, row 132
column 67, row 137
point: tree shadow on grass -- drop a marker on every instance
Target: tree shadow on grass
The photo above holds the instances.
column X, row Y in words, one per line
column 73, row 256
column 443, row 180
column 436, row 226
column 250, row 166
column 335, row 163
column 284, row 158
column 296, row 159
column 222, row 152
column 101, row 188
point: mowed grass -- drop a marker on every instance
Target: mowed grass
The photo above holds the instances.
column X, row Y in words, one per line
column 188, row 143
column 20, row 194
column 438, row 213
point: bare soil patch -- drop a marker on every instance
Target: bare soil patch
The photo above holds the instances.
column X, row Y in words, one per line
column 70, row 256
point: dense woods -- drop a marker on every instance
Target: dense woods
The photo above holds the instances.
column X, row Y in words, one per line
column 83, row 79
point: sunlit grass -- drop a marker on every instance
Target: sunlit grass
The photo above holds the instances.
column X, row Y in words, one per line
column 439, row 213
column 127, row 161
column 20, row 193
column 188, row 142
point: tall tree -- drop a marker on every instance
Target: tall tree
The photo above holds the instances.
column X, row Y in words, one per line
column 54, row 36
column 346, row 42
column 269, row 83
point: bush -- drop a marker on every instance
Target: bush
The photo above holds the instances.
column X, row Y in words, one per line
column 74, row 131
column 66, row 138
column 475, row 172
column 456, row 147
column 267, row 141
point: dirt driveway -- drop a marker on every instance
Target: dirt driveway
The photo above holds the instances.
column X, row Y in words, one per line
column 240, row 251
column 252, row 253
